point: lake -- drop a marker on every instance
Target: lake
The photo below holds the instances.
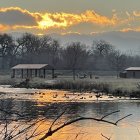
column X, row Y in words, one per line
column 127, row 129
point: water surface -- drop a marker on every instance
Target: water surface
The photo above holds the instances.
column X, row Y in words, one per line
column 127, row 129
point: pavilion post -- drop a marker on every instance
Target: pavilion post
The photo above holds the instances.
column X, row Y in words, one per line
column 22, row 73
column 39, row 72
column 52, row 73
column 44, row 72
column 31, row 73
column 13, row 73
column 27, row 73
column 35, row 72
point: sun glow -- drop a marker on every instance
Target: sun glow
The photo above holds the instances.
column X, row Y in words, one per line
column 48, row 22
column 43, row 24
column 64, row 20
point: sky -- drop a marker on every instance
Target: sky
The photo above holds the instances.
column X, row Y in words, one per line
column 69, row 16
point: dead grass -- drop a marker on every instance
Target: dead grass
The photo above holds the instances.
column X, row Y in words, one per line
column 106, row 84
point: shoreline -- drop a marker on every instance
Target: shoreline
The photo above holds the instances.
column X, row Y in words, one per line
column 52, row 96
column 107, row 85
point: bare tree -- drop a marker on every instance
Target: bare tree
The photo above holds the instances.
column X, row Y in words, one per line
column 54, row 52
column 6, row 48
column 49, row 51
column 100, row 51
column 102, row 48
column 117, row 61
column 29, row 47
column 45, row 43
column 75, row 56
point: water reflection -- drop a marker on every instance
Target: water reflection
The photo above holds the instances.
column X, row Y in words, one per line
column 127, row 130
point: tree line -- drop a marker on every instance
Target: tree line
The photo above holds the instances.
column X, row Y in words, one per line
column 29, row 48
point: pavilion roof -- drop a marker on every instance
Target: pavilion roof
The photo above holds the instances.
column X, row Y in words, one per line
column 133, row 69
column 32, row 66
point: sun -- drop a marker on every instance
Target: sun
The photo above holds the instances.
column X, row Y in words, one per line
column 47, row 22
column 43, row 24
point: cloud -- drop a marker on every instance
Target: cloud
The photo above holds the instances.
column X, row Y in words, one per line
column 3, row 27
column 17, row 16
column 18, row 19
column 136, row 13
column 137, row 29
column 62, row 20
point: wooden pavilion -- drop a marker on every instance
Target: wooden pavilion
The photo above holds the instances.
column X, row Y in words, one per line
column 31, row 70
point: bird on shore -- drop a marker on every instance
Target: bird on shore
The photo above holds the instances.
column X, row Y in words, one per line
column 55, row 96
column 98, row 96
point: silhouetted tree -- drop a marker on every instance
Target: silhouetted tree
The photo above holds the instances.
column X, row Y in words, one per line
column 6, row 49
column 29, row 47
column 100, row 50
column 75, row 56
column 117, row 61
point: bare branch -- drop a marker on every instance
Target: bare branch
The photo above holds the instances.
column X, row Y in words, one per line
column 110, row 114
column 57, row 119
column 102, row 119
column 106, row 137
column 122, row 118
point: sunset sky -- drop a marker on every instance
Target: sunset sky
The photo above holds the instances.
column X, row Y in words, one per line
column 73, row 16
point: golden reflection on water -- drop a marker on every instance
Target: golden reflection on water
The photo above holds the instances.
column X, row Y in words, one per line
column 87, row 130
column 83, row 130
column 66, row 96
column 90, row 130
column 49, row 96
column 73, row 132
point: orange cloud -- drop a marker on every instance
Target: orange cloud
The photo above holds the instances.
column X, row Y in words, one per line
column 136, row 13
column 70, row 32
column 24, row 27
column 15, row 18
column 130, row 29
column 3, row 28
column 68, row 19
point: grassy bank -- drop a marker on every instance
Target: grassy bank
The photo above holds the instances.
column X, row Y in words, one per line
column 106, row 85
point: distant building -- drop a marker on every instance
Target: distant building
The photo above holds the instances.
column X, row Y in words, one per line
column 131, row 72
